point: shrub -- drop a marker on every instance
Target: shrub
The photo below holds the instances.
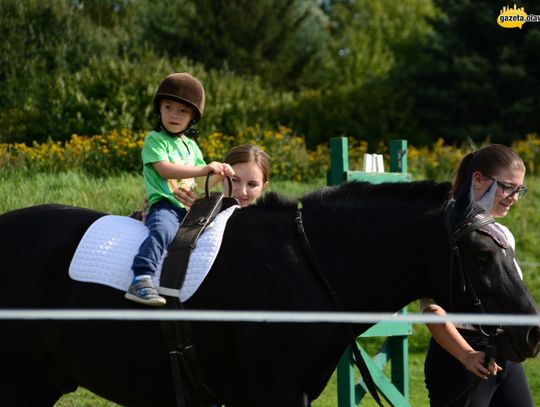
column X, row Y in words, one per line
column 529, row 151
column 119, row 152
column 437, row 162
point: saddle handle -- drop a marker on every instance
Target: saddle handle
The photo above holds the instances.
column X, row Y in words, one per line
column 207, row 184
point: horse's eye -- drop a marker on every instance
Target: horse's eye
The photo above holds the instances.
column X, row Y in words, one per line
column 483, row 256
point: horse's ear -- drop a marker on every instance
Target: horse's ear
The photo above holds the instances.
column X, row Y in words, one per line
column 465, row 202
column 486, row 200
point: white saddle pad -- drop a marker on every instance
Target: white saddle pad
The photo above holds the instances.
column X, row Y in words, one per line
column 106, row 251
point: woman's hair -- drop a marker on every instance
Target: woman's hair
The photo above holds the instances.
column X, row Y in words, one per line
column 249, row 153
column 490, row 160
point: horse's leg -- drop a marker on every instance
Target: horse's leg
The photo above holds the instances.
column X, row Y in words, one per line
column 29, row 376
column 31, row 393
column 283, row 394
column 17, row 394
column 22, row 386
column 297, row 401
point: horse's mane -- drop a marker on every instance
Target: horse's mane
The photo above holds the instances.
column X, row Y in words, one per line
column 363, row 192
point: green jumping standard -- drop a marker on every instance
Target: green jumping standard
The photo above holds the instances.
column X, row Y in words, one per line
column 395, row 348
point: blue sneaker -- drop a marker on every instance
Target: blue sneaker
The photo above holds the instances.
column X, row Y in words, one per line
column 143, row 291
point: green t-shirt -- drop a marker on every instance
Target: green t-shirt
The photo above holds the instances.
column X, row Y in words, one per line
column 160, row 146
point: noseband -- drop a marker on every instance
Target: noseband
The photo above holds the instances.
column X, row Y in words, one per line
column 455, row 234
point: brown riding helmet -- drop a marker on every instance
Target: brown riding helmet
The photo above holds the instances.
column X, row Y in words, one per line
column 182, row 87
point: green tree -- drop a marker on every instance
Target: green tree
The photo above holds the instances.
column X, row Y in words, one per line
column 106, row 13
column 278, row 40
column 472, row 78
column 356, row 93
column 367, row 36
column 42, row 44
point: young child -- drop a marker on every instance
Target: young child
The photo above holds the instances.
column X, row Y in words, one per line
column 170, row 160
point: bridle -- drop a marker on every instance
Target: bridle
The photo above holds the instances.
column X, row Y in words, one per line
column 455, row 234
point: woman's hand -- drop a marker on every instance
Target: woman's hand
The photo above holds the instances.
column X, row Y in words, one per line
column 185, row 195
column 474, row 362
column 451, row 340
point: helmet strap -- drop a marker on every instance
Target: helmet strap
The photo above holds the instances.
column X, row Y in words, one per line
column 191, row 131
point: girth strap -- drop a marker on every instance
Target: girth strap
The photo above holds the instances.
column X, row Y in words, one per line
column 185, row 368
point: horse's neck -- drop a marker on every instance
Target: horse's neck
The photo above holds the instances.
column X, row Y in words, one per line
column 381, row 266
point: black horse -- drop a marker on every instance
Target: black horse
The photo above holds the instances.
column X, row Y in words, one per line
column 379, row 246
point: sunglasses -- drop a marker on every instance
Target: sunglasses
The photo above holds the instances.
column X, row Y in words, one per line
column 509, row 190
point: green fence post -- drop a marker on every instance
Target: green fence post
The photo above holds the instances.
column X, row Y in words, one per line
column 339, row 160
column 395, row 348
column 398, row 156
column 345, row 374
column 400, row 363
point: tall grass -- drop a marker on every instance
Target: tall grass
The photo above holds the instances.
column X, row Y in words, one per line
column 118, row 195
column 123, row 194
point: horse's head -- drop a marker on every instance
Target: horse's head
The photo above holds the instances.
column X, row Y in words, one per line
column 485, row 277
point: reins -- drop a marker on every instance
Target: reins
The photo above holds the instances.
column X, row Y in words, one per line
column 465, row 284
column 358, row 359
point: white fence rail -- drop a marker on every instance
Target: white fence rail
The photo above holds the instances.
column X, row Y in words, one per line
column 263, row 316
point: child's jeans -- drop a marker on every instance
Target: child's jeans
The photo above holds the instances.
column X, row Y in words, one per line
column 163, row 221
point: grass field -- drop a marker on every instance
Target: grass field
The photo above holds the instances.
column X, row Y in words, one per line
column 418, row 393
column 121, row 195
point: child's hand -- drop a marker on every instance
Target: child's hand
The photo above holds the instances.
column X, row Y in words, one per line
column 215, row 167
column 227, row 170
column 220, row 169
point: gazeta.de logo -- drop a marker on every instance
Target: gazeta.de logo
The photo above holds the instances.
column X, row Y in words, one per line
column 515, row 17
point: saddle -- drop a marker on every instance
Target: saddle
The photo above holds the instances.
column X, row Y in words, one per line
column 182, row 354
column 199, row 216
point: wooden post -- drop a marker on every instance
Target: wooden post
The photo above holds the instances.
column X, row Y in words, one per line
column 400, row 363
column 398, row 156
column 395, row 348
column 346, row 389
column 339, row 160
